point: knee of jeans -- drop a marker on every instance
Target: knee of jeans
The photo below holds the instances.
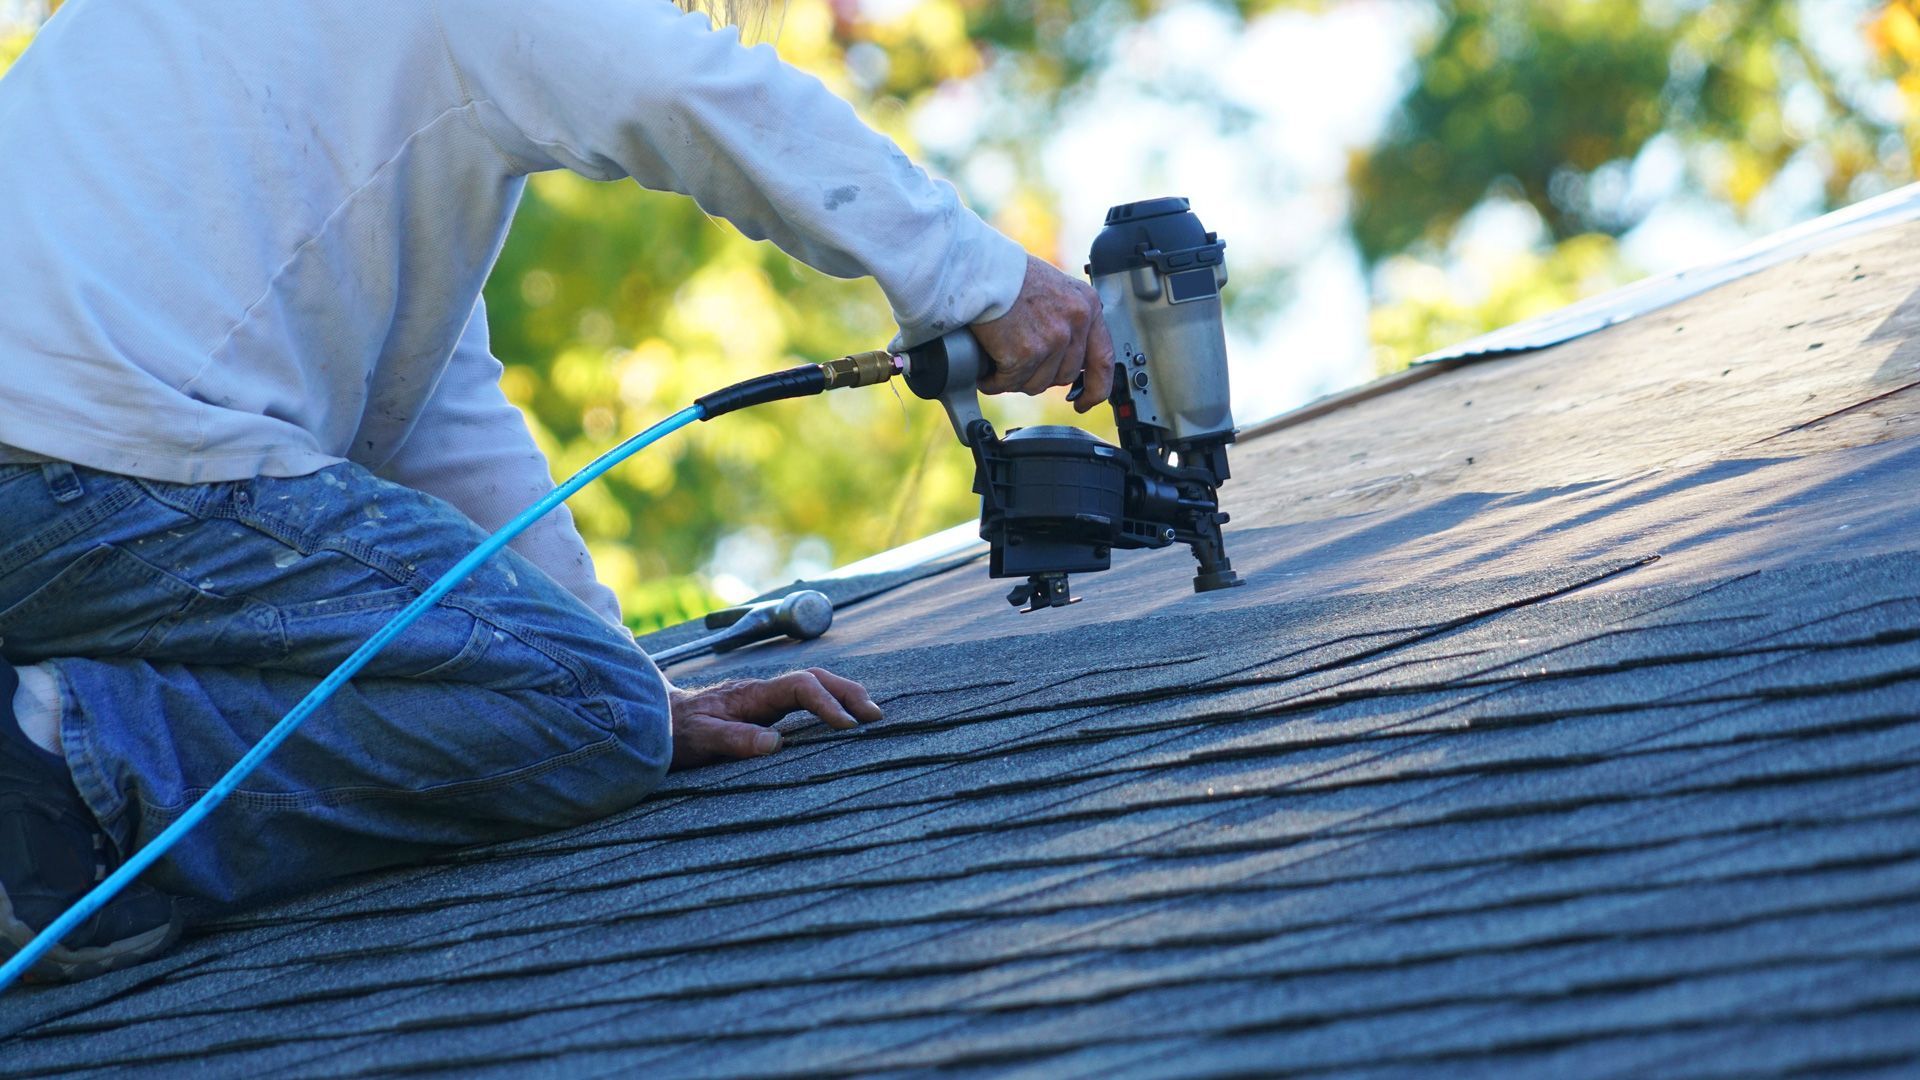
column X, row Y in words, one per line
column 625, row 773
column 638, row 695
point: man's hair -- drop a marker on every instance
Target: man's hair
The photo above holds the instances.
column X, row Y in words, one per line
column 749, row 15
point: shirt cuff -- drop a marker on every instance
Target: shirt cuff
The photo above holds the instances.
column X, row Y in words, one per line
column 985, row 272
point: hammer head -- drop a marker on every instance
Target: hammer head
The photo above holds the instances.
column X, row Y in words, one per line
column 802, row 615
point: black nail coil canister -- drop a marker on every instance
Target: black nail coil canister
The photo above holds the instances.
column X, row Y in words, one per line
column 1060, row 495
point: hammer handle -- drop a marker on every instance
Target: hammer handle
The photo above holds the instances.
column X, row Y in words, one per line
column 725, row 617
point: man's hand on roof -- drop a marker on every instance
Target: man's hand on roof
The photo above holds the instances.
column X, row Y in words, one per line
column 729, row 720
column 1051, row 334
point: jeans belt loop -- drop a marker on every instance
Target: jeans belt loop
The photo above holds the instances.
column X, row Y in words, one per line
column 62, row 481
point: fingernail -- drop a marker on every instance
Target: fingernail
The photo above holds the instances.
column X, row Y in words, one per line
column 766, row 742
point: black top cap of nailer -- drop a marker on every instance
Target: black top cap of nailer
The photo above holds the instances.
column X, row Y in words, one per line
column 1146, row 208
column 1161, row 232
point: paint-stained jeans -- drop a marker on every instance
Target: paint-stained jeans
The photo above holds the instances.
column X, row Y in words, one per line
column 184, row 620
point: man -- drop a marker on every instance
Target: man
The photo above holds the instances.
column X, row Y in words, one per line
column 250, row 412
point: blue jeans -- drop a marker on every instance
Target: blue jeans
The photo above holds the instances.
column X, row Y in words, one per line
column 182, row 621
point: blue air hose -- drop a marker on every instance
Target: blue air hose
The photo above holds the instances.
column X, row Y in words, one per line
column 861, row 369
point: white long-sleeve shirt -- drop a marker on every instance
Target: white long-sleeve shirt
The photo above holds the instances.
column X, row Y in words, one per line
column 248, row 238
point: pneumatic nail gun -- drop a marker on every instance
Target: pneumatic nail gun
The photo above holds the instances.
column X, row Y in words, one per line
column 1055, row 500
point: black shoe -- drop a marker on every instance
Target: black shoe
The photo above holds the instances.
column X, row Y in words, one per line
column 51, row 852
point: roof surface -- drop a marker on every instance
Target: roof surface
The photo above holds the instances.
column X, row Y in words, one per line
column 1659, row 290
column 1570, row 721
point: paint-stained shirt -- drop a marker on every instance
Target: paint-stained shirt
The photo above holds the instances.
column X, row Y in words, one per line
column 243, row 239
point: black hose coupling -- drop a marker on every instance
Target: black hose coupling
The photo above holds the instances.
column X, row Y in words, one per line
column 802, row 381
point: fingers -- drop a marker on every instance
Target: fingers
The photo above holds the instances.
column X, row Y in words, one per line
column 1047, row 372
column 1052, row 333
column 727, row 721
column 850, row 693
column 767, row 700
column 1099, row 368
column 704, row 739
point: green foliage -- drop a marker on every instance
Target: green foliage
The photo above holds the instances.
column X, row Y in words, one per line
column 1894, row 35
column 1551, row 103
column 1514, row 91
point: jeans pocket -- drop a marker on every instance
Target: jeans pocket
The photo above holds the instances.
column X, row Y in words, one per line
column 110, row 602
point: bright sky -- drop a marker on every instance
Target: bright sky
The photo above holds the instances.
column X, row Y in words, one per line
column 15, row 13
column 1314, row 87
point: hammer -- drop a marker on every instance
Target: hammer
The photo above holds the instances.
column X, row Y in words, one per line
column 802, row 615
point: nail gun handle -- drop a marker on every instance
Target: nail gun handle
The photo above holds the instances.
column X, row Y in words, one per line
column 949, row 370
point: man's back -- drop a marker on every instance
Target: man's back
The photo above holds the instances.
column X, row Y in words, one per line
column 241, row 239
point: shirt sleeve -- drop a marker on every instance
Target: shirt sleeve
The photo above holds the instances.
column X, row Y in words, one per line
column 612, row 88
column 471, row 447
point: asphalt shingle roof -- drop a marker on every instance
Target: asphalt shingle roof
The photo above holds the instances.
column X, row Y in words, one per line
column 1608, row 767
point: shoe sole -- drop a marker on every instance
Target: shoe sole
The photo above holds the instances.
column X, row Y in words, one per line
column 62, row 964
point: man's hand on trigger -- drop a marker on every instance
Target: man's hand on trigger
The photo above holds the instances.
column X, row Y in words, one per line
column 1051, row 334
column 729, row 720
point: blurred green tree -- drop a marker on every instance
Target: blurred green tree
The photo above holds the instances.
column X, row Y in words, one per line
column 1551, row 106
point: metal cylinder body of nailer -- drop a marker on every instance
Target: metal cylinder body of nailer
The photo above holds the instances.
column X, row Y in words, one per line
column 1159, row 274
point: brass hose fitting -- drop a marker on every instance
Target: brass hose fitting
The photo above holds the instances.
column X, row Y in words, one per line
column 861, row 369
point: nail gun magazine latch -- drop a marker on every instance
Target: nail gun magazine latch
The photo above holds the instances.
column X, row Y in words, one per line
column 1054, row 499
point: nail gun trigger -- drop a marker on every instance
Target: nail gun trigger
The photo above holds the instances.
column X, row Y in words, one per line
column 1079, row 387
